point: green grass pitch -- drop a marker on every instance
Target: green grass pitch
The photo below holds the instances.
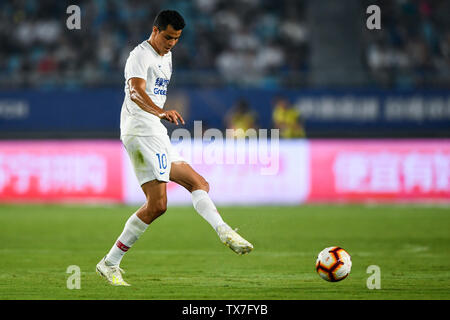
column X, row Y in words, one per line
column 181, row 258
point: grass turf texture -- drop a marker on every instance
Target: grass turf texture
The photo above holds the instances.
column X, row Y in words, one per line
column 180, row 257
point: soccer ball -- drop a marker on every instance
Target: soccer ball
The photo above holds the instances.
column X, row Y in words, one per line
column 333, row 264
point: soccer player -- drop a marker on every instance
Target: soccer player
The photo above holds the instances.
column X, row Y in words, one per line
column 147, row 74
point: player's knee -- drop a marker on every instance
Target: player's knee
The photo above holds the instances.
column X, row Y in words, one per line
column 160, row 207
column 198, row 184
column 203, row 184
column 206, row 185
column 154, row 209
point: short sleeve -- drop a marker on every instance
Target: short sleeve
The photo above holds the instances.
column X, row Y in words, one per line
column 137, row 65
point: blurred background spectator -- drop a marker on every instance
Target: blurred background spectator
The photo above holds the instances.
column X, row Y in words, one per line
column 240, row 118
column 271, row 40
column 253, row 49
column 287, row 119
column 412, row 48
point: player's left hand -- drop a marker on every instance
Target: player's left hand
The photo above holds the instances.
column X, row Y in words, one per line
column 172, row 116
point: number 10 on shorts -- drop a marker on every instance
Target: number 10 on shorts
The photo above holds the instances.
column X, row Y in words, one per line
column 162, row 161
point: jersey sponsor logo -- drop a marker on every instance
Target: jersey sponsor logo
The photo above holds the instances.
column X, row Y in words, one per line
column 161, row 82
column 161, row 86
column 159, row 92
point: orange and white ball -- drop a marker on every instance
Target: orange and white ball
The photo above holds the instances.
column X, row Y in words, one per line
column 333, row 264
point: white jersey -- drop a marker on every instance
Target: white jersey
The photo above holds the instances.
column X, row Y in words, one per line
column 144, row 62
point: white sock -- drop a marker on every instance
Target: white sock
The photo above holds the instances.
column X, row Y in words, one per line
column 206, row 208
column 134, row 228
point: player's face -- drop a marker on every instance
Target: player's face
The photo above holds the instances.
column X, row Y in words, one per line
column 165, row 40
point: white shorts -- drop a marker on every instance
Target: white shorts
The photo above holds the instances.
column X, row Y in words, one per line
column 151, row 157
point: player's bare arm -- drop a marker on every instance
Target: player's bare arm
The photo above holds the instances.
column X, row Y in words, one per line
column 141, row 98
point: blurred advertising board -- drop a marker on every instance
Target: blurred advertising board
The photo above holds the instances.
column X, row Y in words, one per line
column 239, row 174
column 60, row 171
column 325, row 113
column 284, row 172
column 379, row 170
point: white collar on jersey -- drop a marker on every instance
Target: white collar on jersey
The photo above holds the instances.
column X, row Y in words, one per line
column 147, row 43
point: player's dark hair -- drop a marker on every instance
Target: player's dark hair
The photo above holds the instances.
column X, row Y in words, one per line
column 166, row 17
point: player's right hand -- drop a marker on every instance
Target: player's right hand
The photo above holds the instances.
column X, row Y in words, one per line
column 172, row 116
